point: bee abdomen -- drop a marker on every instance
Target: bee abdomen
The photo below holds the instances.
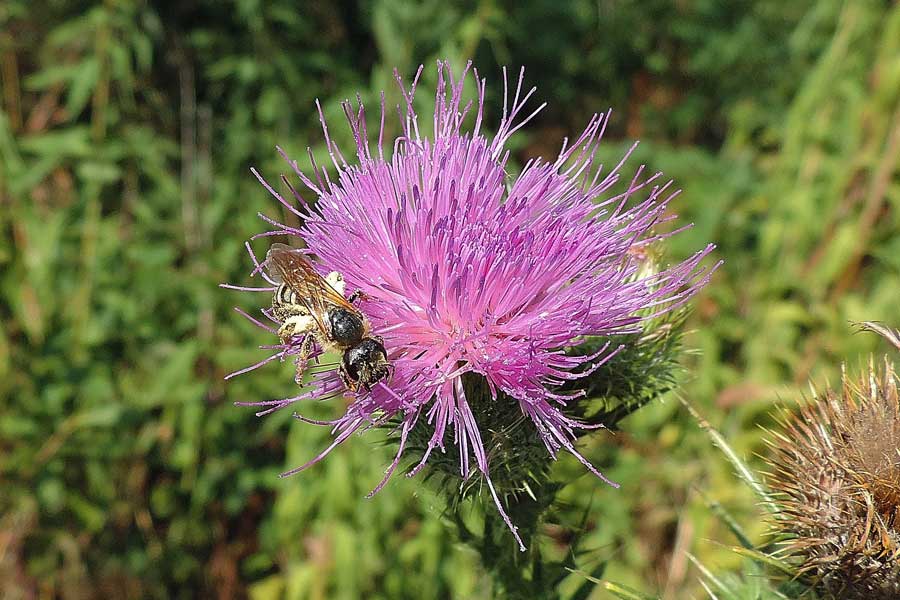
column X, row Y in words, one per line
column 285, row 303
column 285, row 296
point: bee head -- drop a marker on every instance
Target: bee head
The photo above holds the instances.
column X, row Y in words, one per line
column 365, row 364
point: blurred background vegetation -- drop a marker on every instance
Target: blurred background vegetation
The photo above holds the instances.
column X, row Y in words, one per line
column 126, row 134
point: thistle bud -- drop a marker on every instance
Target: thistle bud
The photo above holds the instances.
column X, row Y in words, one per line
column 836, row 474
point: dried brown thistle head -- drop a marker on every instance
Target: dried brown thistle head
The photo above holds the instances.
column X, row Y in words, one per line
column 836, row 476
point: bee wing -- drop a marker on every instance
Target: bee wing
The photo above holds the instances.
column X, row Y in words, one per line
column 286, row 265
column 332, row 296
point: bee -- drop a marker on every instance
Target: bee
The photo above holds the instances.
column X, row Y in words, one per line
column 314, row 306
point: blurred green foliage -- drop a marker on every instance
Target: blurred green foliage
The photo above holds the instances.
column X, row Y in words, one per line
column 126, row 134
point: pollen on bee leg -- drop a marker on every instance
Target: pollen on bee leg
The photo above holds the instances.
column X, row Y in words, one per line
column 336, row 280
column 296, row 325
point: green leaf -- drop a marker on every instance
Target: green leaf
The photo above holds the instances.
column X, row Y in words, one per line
column 743, row 471
column 50, row 76
column 729, row 521
column 99, row 172
column 626, row 593
column 102, row 416
column 585, row 589
column 84, row 79
column 70, row 142
column 616, row 589
column 270, row 588
column 92, row 517
column 766, row 559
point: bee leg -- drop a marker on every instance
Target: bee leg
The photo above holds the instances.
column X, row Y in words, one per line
column 286, row 332
column 356, row 296
column 302, row 357
column 345, row 379
column 336, row 280
column 295, row 325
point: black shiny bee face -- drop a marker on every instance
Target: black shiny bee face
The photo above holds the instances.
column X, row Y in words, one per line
column 365, row 364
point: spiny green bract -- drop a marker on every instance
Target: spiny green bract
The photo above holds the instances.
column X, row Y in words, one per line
column 641, row 371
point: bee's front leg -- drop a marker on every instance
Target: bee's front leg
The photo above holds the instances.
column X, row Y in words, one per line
column 349, row 383
column 357, row 295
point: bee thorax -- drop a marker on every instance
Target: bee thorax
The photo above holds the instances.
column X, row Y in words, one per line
column 347, row 328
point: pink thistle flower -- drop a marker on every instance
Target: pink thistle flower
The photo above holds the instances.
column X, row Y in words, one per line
column 468, row 270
